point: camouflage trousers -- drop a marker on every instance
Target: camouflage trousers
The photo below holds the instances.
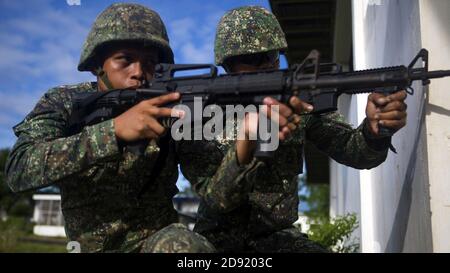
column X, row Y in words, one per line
column 174, row 238
column 290, row 240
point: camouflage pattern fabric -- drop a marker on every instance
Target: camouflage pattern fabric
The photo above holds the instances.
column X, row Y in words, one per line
column 176, row 238
column 286, row 241
column 212, row 167
column 247, row 30
column 101, row 185
column 102, row 197
column 256, row 212
column 234, row 213
column 109, row 199
column 125, row 22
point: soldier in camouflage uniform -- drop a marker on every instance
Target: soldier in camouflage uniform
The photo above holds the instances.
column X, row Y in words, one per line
column 110, row 197
column 255, row 212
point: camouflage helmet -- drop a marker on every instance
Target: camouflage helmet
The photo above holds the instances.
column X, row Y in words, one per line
column 125, row 22
column 247, row 30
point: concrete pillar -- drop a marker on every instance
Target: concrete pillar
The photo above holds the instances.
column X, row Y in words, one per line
column 435, row 32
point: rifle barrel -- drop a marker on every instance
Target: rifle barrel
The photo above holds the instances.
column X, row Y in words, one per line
column 436, row 74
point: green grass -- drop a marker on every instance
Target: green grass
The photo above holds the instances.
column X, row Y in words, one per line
column 32, row 247
column 16, row 237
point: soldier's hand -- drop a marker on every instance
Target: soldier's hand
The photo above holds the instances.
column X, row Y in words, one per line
column 244, row 145
column 387, row 111
column 141, row 121
column 286, row 118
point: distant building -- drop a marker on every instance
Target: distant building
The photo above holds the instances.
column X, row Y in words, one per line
column 48, row 216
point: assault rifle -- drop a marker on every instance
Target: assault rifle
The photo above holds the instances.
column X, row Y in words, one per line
column 319, row 84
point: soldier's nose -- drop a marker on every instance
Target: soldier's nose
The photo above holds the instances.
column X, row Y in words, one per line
column 137, row 72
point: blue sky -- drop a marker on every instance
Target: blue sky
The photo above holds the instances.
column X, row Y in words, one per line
column 41, row 42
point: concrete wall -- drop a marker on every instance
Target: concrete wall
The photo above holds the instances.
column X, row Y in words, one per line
column 435, row 29
column 393, row 199
column 344, row 182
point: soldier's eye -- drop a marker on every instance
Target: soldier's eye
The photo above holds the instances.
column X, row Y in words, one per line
column 124, row 58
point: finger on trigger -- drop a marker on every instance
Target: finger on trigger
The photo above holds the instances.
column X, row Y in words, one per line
column 160, row 111
column 164, row 99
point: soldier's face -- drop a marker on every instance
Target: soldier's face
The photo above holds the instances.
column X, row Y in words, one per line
column 241, row 67
column 129, row 67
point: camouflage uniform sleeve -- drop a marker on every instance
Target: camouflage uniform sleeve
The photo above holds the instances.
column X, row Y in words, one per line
column 348, row 146
column 43, row 155
column 224, row 187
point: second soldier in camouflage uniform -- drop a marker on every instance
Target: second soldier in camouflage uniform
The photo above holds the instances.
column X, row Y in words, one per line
column 255, row 212
column 110, row 199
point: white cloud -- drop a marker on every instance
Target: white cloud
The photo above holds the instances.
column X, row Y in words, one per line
column 193, row 37
column 197, row 54
column 44, row 46
column 39, row 50
column 73, row 2
column 181, row 31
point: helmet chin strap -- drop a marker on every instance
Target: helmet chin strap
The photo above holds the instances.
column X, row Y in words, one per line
column 104, row 77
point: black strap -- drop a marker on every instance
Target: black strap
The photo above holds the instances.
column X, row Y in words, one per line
column 104, row 77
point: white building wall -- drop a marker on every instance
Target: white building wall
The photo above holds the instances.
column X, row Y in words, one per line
column 435, row 29
column 344, row 182
column 49, row 220
column 49, row 231
column 394, row 206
